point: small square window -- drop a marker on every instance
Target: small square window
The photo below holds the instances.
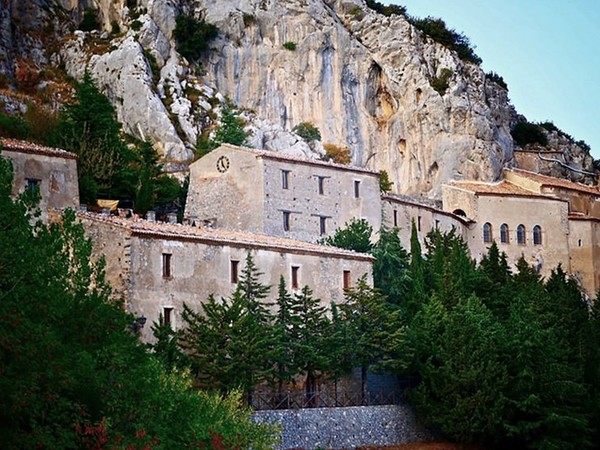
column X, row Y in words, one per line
column 323, row 225
column 234, row 271
column 356, row 189
column 286, row 220
column 295, row 272
column 347, row 279
column 285, row 179
column 167, row 315
column 166, row 265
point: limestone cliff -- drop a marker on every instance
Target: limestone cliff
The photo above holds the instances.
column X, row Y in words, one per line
column 365, row 80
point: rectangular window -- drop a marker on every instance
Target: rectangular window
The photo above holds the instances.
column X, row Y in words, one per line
column 167, row 315
column 356, row 189
column 419, row 223
column 437, row 224
column 285, row 181
column 321, row 181
column 395, row 218
column 33, row 185
column 295, row 271
column 286, row 220
column 166, row 265
column 234, row 271
column 323, row 225
column 347, row 279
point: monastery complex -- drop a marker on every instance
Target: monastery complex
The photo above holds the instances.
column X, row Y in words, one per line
column 277, row 207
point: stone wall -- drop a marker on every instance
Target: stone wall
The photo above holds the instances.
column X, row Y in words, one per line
column 344, row 428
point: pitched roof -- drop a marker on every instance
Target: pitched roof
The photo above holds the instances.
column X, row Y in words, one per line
column 547, row 181
column 279, row 156
column 15, row 145
column 218, row 236
column 499, row 188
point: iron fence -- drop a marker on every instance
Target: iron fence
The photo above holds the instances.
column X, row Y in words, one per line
column 322, row 399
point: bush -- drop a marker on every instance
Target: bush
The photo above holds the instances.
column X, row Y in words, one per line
column 386, row 10
column 136, row 25
column 90, row 20
column 494, row 77
column 441, row 83
column 525, row 133
column 437, row 30
column 290, row 46
column 307, row 131
column 339, row 155
column 13, row 127
column 192, row 36
column 249, row 19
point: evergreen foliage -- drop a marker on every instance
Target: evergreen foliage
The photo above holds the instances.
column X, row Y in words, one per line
column 525, row 133
column 385, row 184
column 307, row 131
column 73, row 374
column 356, row 235
column 193, row 36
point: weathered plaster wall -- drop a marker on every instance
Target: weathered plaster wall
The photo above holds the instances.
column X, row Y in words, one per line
column 584, row 246
column 401, row 214
column 234, row 197
column 338, row 203
column 343, row 428
column 551, row 215
column 199, row 269
column 57, row 178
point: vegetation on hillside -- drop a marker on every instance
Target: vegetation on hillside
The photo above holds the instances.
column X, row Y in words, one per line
column 193, row 36
column 73, row 374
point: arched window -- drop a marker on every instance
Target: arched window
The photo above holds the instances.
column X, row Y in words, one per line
column 504, row 234
column 487, row 232
column 459, row 212
column 537, row 235
column 521, row 234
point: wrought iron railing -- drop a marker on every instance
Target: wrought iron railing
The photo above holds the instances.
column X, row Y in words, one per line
column 322, row 399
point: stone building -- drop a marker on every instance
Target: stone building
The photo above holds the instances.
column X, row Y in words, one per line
column 157, row 267
column 547, row 220
column 268, row 192
column 50, row 170
column 400, row 212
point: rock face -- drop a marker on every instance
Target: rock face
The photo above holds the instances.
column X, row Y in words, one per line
column 365, row 80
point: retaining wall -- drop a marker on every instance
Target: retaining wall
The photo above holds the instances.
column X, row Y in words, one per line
column 345, row 428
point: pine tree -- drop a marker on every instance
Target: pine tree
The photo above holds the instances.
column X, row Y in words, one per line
column 310, row 352
column 376, row 330
column 285, row 340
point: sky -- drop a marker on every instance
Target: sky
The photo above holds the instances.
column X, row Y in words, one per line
column 547, row 51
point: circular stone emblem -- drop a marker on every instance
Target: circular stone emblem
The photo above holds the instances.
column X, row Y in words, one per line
column 223, row 164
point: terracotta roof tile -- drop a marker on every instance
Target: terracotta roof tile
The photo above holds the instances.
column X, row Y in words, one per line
column 16, row 145
column 279, row 156
column 500, row 188
column 545, row 180
column 221, row 236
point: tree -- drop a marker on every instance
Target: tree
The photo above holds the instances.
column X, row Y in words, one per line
column 73, row 374
column 193, row 36
column 231, row 130
column 391, row 267
column 376, row 330
column 308, row 332
column 356, row 235
column 385, row 184
column 285, row 340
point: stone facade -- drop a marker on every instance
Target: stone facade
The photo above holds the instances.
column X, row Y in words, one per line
column 547, row 220
column 157, row 267
column 52, row 171
column 400, row 212
column 267, row 192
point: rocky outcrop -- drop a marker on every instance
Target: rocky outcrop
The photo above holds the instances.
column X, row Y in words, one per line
column 366, row 82
column 374, row 84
